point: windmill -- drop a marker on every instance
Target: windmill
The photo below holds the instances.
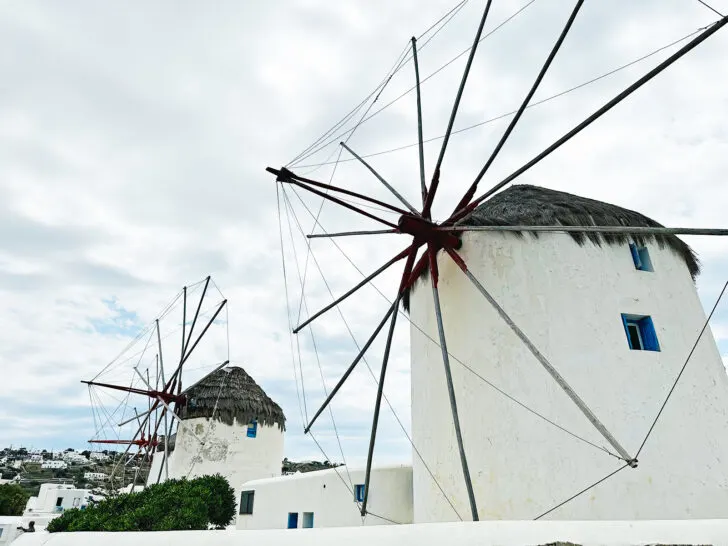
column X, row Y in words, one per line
column 162, row 391
column 430, row 239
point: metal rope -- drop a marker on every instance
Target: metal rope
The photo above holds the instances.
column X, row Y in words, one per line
column 532, row 105
column 371, row 372
column 700, row 335
column 534, row 412
column 315, row 348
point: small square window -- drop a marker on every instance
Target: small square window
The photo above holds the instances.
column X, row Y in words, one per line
column 252, row 429
column 359, row 492
column 246, row 502
column 640, row 332
column 641, row 257
column 307, row 520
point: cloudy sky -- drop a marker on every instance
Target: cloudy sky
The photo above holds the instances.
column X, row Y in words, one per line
column 134, row 138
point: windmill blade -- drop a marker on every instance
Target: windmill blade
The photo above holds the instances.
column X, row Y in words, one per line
column 596, row 115
column 364, row 282
column 382, row 376
column 420, row 141
column 434, row 275
column 284, row 175
column 474, row 186
column 436, row 174
column 194, row 319
column 351, row 367
column 382, row 180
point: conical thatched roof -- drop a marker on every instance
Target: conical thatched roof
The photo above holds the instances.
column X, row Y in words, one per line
column 526, row 205
column 233, row 396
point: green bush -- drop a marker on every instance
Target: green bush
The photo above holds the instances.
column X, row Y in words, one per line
column 12, row 500
column 170, row 506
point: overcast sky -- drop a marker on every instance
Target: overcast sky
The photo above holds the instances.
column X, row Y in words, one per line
column 134, row 138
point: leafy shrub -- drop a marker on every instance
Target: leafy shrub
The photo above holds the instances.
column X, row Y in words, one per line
column 12, row 500
column 170, row 506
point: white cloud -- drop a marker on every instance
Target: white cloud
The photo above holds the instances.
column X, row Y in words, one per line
column 134, row 142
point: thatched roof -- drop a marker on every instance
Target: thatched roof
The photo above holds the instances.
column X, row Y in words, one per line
column 233, row 396
column 528, row 205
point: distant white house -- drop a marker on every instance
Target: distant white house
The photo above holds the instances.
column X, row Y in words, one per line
column 98, row 456
column 94, row 476
column 52, row 500
column 71, row 457
column 54, row 465
column 35, row 458
column 327, row 498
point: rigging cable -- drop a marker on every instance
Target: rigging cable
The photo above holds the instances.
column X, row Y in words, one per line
column 288, row 306
column 582, row 491
column 536, row 103
column 365, row 119
column 398, row 65
column 672, row 389
column 711, row 8
column 313, row 340
column 534, row 412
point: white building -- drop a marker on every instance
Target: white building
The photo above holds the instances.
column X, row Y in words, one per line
column 71, row 457
column 617, row 327
column 52, row 500
column 98, row 456
column 241, row 427
column 324, row 499
column 94, row 476
column 9, row 529
column 54, row 465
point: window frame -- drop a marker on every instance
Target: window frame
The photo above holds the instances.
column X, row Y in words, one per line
column 248, row 506
column 359, row 492
column 646, row 331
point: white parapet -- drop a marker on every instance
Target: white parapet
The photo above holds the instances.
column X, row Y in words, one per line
column 502, row 533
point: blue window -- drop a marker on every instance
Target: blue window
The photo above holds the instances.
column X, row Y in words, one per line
column 640, row 332
column 252, row 428
column 641, row 257
column 293, row 520
column 359, row 492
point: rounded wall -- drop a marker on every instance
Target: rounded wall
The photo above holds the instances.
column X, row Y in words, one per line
column 568, row 299
column 227, row 450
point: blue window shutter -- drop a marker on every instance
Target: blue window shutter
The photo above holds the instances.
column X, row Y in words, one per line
column 647, row 329
column 626, row 330
column 635, row 255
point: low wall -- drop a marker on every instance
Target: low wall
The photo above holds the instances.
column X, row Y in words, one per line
column 502, row 533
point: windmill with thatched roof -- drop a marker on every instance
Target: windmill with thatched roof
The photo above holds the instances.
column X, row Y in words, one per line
column 580, row 315
column 231, row 427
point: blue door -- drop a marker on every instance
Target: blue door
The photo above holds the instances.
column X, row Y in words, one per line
column 293, row 520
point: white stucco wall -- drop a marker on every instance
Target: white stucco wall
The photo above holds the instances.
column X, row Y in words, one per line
column 501, row 533
column 227, row 451
column 8, row 529
column 48, row 496
column 568, row 300
column 331, row 501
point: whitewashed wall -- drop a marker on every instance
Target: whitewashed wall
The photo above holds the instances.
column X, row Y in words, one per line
column 48, row 495
column 331, row 501
column 227, row 451
column 8, row 529
column 568, row 300
column 501, row 533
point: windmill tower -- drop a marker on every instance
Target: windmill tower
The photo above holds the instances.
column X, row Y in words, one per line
column 228, row 425
column 591, row 318
column 617, row 316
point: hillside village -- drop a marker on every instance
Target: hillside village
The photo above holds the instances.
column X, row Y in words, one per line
column 91, row 469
